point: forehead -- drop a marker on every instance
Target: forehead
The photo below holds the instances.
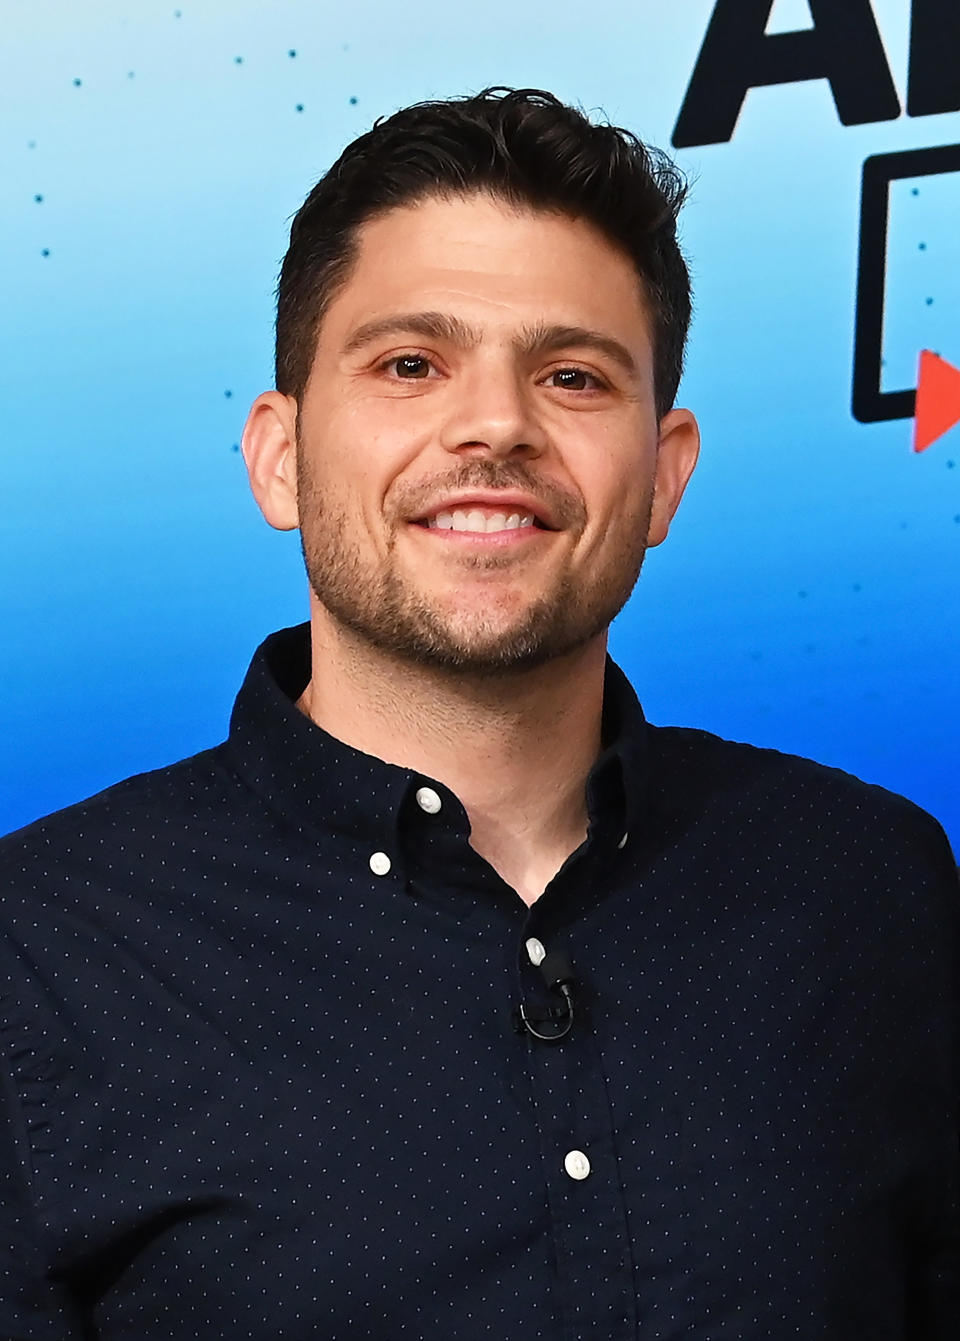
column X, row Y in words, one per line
column 494, row 264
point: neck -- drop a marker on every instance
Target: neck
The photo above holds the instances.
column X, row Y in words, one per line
column 514, row 747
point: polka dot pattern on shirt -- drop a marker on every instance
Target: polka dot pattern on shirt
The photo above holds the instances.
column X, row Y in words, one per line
column 264, row 1075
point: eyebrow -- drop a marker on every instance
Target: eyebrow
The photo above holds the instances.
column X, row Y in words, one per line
column 544, row 339
column 530, row 341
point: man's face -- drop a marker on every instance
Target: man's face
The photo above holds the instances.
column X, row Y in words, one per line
column 477, row 444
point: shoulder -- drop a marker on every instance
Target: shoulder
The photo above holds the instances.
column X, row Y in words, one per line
column 146, row 809
column 711, row 766
column 756, row 795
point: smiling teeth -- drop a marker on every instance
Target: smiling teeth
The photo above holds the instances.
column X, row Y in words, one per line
column 475, row 520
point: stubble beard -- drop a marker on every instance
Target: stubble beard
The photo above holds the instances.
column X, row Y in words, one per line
column 379, row 605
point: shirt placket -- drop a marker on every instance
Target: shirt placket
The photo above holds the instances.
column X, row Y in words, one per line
column 594, row 1284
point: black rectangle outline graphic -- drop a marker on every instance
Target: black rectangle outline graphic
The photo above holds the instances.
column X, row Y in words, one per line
column 870, row 404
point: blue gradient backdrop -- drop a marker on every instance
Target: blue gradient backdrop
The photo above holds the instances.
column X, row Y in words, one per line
column 152, row 158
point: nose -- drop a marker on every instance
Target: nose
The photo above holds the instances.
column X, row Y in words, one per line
column 493, row 412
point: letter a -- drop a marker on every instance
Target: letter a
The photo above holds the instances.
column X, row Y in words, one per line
column 843, row 46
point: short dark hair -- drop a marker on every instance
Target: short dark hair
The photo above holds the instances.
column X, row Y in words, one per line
column 522, row 146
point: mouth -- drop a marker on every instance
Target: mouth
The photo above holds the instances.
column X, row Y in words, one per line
column 482, row 521
column 484, row 516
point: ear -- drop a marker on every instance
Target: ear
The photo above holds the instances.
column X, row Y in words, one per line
column 270, row 453
column 677, row 453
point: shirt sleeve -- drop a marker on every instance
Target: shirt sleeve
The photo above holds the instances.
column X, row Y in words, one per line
column 33, row 1305
column 934, row 1300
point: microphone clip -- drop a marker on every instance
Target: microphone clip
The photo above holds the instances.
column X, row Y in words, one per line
column 549, row 1024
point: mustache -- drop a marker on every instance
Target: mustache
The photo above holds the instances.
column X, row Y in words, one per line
column 414, row 499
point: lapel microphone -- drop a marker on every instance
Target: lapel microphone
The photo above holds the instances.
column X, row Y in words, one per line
column 551, row 1023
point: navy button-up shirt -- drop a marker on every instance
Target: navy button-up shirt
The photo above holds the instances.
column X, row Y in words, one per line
column 264, row 1075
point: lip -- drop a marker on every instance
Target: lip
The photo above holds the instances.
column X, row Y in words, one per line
column 503, row 500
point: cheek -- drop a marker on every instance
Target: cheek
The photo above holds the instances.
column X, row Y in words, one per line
column 352, row 454
column 614, row 474
column 375, row 439
column 628, row 519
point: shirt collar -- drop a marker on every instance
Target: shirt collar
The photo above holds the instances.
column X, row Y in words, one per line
column 318, row 783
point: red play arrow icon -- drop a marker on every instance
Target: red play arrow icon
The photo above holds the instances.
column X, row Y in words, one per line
column 938, row 399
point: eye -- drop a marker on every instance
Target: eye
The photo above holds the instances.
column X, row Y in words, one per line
column 574, row 379
column 408, row 366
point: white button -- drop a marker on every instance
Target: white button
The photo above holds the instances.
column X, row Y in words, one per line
column 380, row 863
column 428, row 800
column 623, row 841
column 536, row 950
column 577, row 1165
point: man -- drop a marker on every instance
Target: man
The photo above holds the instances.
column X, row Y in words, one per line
column 447, row 998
